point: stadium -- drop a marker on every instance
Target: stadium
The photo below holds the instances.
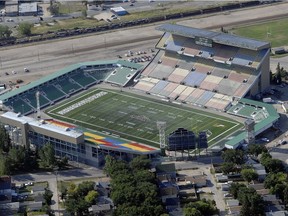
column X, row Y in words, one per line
column 197, row 80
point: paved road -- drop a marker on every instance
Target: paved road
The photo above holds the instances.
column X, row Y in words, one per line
column 52, row 179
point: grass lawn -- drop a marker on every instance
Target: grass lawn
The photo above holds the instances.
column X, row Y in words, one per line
column 277, row 32
column 134, row 117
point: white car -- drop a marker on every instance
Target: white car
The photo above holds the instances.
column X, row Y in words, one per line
column 26, row 70
column 264, row 139
column 13, row 72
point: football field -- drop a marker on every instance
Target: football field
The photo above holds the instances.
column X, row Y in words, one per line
column 135, row 117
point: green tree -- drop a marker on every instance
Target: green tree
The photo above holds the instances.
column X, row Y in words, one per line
column 249, row 174
column 17, row 157
column 54, row 8
column 270, row 164
column 5, row 141
column 234, row 189
column 25, row 28
column 91, row 197
column 80, row 197
column 274, row 178
column 256, row 149
column 188, row 211
column 84, row 13
column 141, row 162
column 227, row 167
column 47, row 196
column 63, row 190
column 205, row 207
column 5, row 32
column 233, row 156
column 4, row 165
column 47, row 156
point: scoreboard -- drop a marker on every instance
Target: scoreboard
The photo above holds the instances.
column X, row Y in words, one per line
column 203, row 41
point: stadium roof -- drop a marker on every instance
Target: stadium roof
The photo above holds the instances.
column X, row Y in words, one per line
column 62, row 72
column 273, row 116
column 218, row 37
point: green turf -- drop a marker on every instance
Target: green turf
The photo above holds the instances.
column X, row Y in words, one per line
column 274, row 31
column 134, row 117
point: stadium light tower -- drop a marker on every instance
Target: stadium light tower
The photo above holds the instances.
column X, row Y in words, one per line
column 161, row 127
column 38, row 104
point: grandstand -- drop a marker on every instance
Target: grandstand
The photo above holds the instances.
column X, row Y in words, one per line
column 207, row 62
column 68, row 81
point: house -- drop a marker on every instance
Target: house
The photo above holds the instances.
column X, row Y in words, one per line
column 221, row 178
column 103, row 188
column 39, row 198
column 260, row 170
column 271, row 199
column 99, row 208
column 234, row 210
column 225, row 187
column 11, row 208
column 5, row 188
column 198, row 181
column 232, row 203
column 38, row 189
column 168, row 190
column 172, row 202
column 34, row 206
column 277, row 213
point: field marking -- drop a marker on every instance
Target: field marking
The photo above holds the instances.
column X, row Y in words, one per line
column 60, row 106
column 117, row 132
column 236, row 124
column 170, row 106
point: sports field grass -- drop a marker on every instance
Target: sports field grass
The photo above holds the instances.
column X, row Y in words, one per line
column 134, row 117
column 274, row 31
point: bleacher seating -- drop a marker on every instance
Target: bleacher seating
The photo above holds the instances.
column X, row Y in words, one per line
column 177, row 91
column 191, row 48
column 223, row 53
column 98, row 74
column 51, row 92
column 19, row 106
column 168, row 89
column 178, row 75
column 195, row 95
column 31, row 99
column 67, row 85
column 159, row 87
column 82, row 79
column 194, row 79
column 175, row 43
column 144, row 85
column 185, row 93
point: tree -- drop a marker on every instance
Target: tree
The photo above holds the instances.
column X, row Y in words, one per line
column 47, row 156
column 191, row 212
column 62, row 163
column 255, row 149
column 47, row 196
column 5, row 141
column 54, row 8
column 233, row 156
column 249, row 174
column 84, row 13
column 270, row 164
column 4, row 165
column 91, row 197
column 141, row 162
column 24, row 28
column 63, row 191
column 227, row 167
column 205, row 207
column 17, row 157
column 5, row 32
column 80, row 198
column 234, row 189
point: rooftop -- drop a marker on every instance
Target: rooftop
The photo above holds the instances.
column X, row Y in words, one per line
column 217, row 37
